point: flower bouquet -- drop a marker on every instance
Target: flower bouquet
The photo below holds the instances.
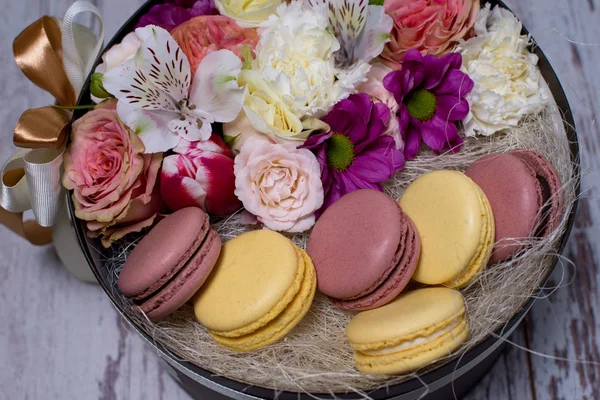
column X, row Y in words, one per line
column 273, row 116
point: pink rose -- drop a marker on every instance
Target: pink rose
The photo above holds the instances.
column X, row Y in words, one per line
column 374, row 88
column 279, row 183
column 207, row 33
column 113, row 181
column 430, row 26
column 200, row 175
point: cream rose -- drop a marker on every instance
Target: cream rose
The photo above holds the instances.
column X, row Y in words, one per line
column 248, row 14
column 279, row 183
column 507, row 79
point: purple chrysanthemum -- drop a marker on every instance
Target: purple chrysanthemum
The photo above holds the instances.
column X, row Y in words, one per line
column 354, row 154
column 431, row 94
column 175, row 12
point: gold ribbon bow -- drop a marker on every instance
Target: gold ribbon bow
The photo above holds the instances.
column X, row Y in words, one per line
column 31, row 178
column 38, row 52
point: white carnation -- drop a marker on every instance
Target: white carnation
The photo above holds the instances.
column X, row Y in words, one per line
column 506, row 76
column 295, row 57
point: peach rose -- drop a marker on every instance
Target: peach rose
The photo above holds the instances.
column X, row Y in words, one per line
column 207, row 33
column 430, row 26
column 374, row 88
column 279, row 183
column 113, row 181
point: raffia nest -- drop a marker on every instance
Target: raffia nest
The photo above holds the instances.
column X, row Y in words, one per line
column 316, row 357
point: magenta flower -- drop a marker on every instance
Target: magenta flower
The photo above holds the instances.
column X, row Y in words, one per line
column 173, row 13
column 430, row 92
column 355, row 154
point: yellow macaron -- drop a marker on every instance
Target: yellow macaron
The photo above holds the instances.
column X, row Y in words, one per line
column 412, row 331
column 260, row 289
column 456, row 226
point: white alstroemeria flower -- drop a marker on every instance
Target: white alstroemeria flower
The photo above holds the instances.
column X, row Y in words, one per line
column 156, row 100
column 362, row 29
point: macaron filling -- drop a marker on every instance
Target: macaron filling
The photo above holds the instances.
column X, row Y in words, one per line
column 178, row 266
column 419, row 341
column 416, row 356
column 546, row 206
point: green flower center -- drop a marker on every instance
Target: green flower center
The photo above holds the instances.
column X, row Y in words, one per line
column 421, row 104
column 340, row 152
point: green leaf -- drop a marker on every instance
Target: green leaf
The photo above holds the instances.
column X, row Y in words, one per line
column 375, row 2
column 230, row 140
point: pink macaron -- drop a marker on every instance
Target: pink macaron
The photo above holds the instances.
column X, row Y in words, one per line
column 171, row 263
column 525, row 193
column 365, row 250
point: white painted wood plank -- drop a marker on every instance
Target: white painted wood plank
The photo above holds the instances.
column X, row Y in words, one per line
column 566, row 325
column 510, row 377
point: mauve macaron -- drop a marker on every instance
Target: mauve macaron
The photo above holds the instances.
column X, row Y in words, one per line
column 171, row 263
column 525, row 193
column 365, row 250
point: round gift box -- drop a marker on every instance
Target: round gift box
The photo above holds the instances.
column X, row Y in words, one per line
column 453, row 378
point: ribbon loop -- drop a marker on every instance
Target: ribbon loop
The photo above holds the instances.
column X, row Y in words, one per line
column 38, row 52
column 43, row 173
column 14, row 193
column 77, row 64
column 44, row 127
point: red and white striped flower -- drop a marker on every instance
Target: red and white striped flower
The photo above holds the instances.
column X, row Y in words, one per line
column 200, row 175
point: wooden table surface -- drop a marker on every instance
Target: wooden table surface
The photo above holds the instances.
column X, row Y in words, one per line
column 62, row 339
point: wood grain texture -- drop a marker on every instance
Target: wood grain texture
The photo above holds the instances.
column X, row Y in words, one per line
column 61, row 339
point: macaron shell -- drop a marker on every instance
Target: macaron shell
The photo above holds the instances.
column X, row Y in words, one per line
column 256, row 273
column 416, row 357
column 201, row 238
column 354, row 242
column 544, row 168
column 484, row 251
column 414, row 314
column 445, row 207
column 279, row 327
column 406, row 263
column 514, row 193
column 187, row 282
column 163, row 251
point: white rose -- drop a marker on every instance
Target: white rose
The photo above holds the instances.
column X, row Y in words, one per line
column 506, row 76
column 278, row 183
